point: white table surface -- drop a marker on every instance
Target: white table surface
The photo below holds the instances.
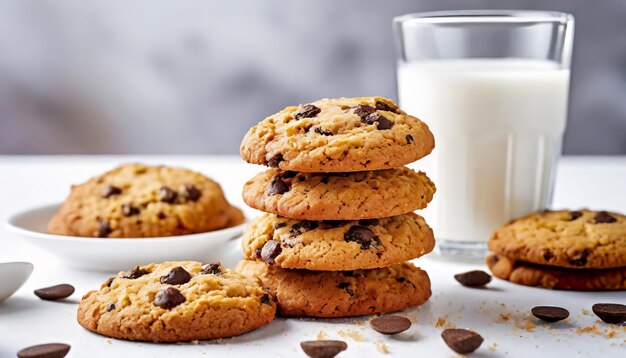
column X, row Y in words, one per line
column 499, row 313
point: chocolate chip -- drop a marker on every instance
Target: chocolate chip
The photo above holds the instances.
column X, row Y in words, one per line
column 362, row 236
column 168, row 298
column 104, row 229
column 191, row 192
column 330, row 224
column 129, row 210
column 363, row 110
column 167, row 195
column 306, row 111
column 384, row 106
column 279, row 225
column 610, row 312
column 48, row 350
column 390, row 324
column 110, row 190
column 343, row 285
column 321, row 131
column 573, row 215
column 214, row 268
column 401, row 279
column 258, row 252
column 161, row 215
column 275, row 160
column 547, row 255
column 604, row 217
column 177, row 276
column 135, row 273
column 324, row 180
column 265, row 299
column 550, row 313
column 580, row 259
column 111, row 307
column 369, row 222
column 462, row 341
column 383, row 123
column 302, row 226
column 409, row 139
column 270, row 251
column 323, row 348
column 277, row 186
column 55, row 292
column 476, row 278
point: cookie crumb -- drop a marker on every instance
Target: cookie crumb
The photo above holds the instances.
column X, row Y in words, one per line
column 441, row 321
column 195, row 342
column 504, row 317
column 589, row 329
column 493, row 346
column 321, row 335
column 108, row 341
column 354, row 335
column 586, row 312
column 382, row 347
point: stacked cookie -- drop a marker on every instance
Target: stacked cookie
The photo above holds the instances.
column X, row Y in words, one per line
column 568, row 250
column 339, row 224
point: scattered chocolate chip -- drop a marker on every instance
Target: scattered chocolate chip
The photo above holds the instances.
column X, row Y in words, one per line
column 390, row 324
column 214, row 268
column 55, row 292
column 573, row 215
column 547, row 255
column 604, row 217
column 302, row 226
column 363, row 110
column 369, row 222
column 409, row 139
column 321, row 131
column 167, row 195
column 104, row 229
column 191, row 192
column 580, row 259
column 362, row 236
column 168, row 298
column 277, row 186
column 550, row 313
column 610, row 312
column 401, row 279
column 306, row 111
column 279, row 225
column 265, row 299
column 129, row 210
column 48, row 350
column 323, row 348
column 177, row 276
column 330, row 224
column 462, row 341
column 110, row 190
column 270, row 251
column 111, row 307
column 275, row 160
column 476, row 278
column 135, row 273
column 384, row 106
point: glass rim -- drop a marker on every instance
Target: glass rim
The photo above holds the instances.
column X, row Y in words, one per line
column 484, row 16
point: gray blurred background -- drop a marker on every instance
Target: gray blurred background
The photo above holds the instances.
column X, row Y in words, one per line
column 192, row 76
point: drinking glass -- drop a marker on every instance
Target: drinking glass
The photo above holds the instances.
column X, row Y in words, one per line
column 493, row 88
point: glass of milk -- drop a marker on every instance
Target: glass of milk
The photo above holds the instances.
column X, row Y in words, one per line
column 493, row 88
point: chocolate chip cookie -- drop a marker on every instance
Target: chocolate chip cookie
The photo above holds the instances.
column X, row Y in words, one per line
column 581, row 239
column 339, row 196
column 341, row 293
column 137, row 201
column 334, row 245
column 176, row 302
column 557, row 278
column 338, row 135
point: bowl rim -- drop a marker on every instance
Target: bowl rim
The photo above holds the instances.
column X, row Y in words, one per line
column 10, row 224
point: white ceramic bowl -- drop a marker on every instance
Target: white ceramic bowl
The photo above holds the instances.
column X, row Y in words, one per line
column 12, row 277
column 101, row 254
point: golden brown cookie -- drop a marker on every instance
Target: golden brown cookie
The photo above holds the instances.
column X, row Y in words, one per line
column 135, row 200
column 176, row 302
column 572, row 239
column 341, row 293
column 339, row 196
column 337, row 245
column 557, row 278
column 338, row 135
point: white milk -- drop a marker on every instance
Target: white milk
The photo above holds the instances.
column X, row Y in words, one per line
column 498, row 126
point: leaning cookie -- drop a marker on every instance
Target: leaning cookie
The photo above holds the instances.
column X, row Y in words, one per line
column 138, row 201
column 557, row 278
column 581, row 239
column 338, row 135
column 337, row 245
column 176, row 302
column 339, row 196
column 341, row 293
